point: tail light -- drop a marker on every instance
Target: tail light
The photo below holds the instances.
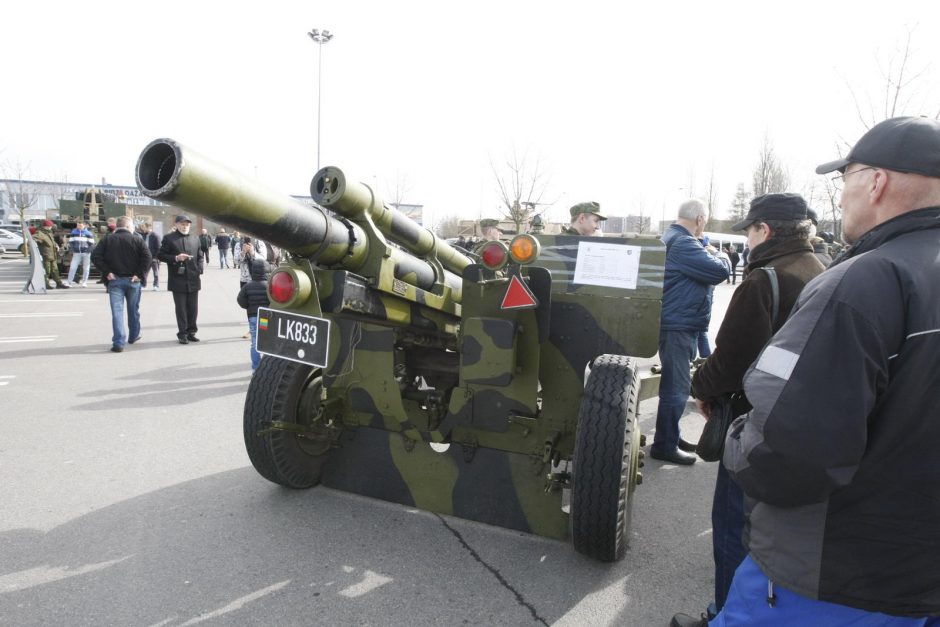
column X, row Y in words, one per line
column 282, row 287
column 524, row 249
column 494, row 255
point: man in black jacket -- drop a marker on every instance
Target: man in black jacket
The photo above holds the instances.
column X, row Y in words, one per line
column 182, row 254
column 777, row 228
column 123, row 258
column 838, row 457
column 254, row 294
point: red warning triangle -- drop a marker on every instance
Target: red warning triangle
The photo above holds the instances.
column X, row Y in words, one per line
column 518, row 295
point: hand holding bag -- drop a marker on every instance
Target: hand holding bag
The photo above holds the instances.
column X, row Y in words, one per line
column 712, row 443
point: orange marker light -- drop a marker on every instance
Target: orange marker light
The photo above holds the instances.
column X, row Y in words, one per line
column 524, row 249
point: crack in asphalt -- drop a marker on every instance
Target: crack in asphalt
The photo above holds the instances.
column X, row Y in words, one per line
column 499, row 577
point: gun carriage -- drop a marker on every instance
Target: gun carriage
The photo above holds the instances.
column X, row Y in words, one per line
column 502, row 389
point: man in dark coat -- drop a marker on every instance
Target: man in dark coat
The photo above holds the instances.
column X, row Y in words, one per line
column 777, row 228
column 183, row 256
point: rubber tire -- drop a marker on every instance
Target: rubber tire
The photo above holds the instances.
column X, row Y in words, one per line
column 605, row 459
column 275, row 393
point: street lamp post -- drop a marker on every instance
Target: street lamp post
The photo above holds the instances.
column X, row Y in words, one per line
column 320, row 38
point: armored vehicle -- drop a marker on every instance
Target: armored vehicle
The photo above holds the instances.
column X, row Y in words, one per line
column 502, row 389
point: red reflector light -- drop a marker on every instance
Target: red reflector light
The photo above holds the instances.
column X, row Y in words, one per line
column 494, row 255
column 282, row 287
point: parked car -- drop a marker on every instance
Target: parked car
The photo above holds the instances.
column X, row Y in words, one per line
column 12, row 240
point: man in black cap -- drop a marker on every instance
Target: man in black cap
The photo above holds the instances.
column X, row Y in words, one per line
column 586, row 219
column 183, row 256
column 777, row 228
column 838, row 456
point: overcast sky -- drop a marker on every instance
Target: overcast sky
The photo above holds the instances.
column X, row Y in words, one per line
column 622, row 105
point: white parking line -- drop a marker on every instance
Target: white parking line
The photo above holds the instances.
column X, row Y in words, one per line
column 4, row 378
column 48, row 314
column 27, row 338
column 57, row 300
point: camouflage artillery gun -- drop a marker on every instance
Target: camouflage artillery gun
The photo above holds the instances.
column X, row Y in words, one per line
column 503, row 391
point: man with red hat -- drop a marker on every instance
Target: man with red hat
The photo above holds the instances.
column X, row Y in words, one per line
column 48, row 250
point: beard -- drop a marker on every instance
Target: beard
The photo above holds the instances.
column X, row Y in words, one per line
column 183, row 228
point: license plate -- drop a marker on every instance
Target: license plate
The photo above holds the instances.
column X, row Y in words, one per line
column 293, row 336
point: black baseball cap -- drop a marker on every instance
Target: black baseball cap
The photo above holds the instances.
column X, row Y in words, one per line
column 182, row 219
column 786, row 206
column 908, row 144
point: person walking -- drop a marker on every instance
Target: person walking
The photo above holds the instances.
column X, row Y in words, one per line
column 777, row 229
column 735, row 259
column 223, row 243
column 254, row 294
column 152, row 240
column 837, row 457
column 205, row 243
column 123, row 258
column 691, row 272
column 182, row 254
column 81, row 243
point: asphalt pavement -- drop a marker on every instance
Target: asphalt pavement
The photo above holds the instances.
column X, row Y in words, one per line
column 127, row 498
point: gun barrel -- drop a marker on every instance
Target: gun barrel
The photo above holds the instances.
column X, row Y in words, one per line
column 179, row 176
column 331, row 188
column 174, row 174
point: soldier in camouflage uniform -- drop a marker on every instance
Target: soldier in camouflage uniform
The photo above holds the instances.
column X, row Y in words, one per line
column 586, row 219
column 490, row 229
column 48, row 250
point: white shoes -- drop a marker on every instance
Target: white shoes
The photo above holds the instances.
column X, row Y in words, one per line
column 82, row 284
column 156, row 288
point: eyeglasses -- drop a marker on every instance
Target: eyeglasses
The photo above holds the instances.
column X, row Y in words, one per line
column 838, row 179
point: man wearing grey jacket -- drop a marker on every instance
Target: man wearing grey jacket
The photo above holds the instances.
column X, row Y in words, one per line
column 838, row 457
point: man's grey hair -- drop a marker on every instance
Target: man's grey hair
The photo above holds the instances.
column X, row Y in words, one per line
column 691, row 209
column 122, row 222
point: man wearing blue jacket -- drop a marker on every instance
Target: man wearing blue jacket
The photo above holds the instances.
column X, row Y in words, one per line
column 691, row 270
column 81, row 243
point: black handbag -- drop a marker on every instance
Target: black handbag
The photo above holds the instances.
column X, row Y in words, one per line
column 712, row 443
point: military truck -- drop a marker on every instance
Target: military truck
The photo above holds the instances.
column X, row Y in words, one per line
column 502, row 389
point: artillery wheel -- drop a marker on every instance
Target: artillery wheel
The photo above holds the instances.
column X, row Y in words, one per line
column 606, row 459
column 289, row 392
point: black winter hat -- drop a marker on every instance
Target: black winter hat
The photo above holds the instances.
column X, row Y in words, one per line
column 774, row 207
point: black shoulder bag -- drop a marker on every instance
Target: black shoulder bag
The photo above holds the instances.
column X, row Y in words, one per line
column 712, row 443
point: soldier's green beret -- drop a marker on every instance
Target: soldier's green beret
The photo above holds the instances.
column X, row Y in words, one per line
column 488, row 222
column 587, row 207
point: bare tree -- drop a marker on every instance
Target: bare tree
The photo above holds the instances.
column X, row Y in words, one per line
column 521, row 187
column 21, row 193
column 740, row 204
column 711, row 193
column 398, row 189
column 448, row 226
column 898, row 92
column 769, row 176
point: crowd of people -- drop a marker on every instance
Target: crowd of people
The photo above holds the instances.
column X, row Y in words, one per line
column 127, row 257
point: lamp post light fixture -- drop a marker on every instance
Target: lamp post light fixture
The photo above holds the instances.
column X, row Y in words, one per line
column 319, row 37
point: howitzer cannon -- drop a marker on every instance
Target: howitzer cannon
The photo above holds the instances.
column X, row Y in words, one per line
column 398, row 368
